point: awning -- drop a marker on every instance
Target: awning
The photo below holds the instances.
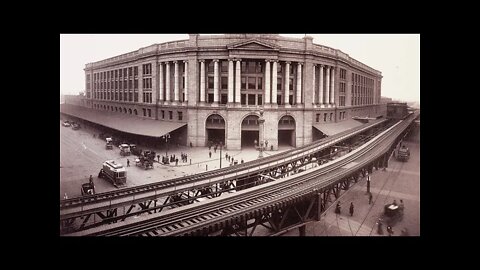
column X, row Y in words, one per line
column 334, row 128
column 122, row 122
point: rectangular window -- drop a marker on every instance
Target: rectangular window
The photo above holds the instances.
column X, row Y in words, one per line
column 279, row 84
column 251, row 67
column 251, row 99
column 210, row 67
column 135, row 84
column 135, row 71
column 135, row 96
column 251, row 83
column 210, row 98
column 244, row 67
column 279, row 68
column 224, row 99
column 259, row 68
column 149, row 113
column 331, row 115
column 244, row 83
column 170, row 114
column 259, row 83
column 144, row 112
column 317, row 118
column 210, row 82
column 163, row 114
column 259, row 100
column 224, row 82
column 279, row 99
column 290, row 101
column 224, row 66
column 180, row 116
column 244, row 99
column 130, row 96
column 325, row 117
column 291, row 84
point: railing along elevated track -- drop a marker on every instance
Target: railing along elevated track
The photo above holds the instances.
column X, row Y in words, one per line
column 285, row 202
column 108, row 206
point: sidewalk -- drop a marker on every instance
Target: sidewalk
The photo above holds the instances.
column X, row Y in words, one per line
column 401, row 180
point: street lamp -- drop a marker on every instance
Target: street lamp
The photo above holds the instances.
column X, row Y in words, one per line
column 261, row 134
column 221, row 144
column 166, row 137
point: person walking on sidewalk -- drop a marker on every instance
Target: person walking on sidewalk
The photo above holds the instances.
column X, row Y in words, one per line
column 128, row 162
column 210, row 154
column 370, row 197
column 338, row 208
column 368, row 183
column 351, row 209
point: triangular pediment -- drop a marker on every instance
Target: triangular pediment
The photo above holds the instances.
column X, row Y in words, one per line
column 253, row 44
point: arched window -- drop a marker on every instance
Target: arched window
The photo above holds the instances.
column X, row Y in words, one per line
column 129, row 111
column 135, row 111
column 124, row 110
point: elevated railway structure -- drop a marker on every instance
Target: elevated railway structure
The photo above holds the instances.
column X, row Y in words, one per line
column 279, row 205
column 90, row 211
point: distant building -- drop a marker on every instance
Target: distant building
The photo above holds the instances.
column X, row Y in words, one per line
column 215, row 86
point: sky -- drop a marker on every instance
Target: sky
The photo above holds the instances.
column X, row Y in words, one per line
column 397, row 56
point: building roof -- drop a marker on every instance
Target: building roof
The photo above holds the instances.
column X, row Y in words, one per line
column 122, row 122
column 330, row 129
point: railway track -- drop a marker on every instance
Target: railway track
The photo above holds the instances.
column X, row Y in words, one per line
column 255, row 200
column 107, row 199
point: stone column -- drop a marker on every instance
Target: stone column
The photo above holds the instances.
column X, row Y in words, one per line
column 332, row 96
column 230, row 81
column 167, row 82
column 327, row 86
column 274, row 82
column 299, row 83
column 267, row 82
column 175, row 83
column 237, row 81
column 287, row 84
column 140, row 84
column 202, row 81
column 320, row 86
column 185, row 89
column 215, row 82
column 313, row 87
column 160, row 80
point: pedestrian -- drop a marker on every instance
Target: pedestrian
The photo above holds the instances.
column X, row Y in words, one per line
column 91, row 179
column 337, row 208
column 368, row 183
column 379, row 226
column 191, row 145
column 266, row 144
column 176, row 162
column 210, row 154
column 370, row 198
column 65, row 196
column 128, row 162
column 390, row 230
column 158, row 157
column 401, row 206
column 351, row 209
column 215, row 149
column 395, row 202
column 241, row 161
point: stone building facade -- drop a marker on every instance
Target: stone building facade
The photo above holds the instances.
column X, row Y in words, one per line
column 218, row 85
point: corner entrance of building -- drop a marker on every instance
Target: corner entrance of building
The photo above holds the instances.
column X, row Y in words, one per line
column 250, row 131
column 215, row 129
column 286, row 131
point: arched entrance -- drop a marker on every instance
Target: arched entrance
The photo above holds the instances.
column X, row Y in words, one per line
column 215, row 129
column 286, row 131
column 250, row 131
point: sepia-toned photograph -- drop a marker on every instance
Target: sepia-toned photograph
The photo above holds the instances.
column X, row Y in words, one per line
column 313, row 135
